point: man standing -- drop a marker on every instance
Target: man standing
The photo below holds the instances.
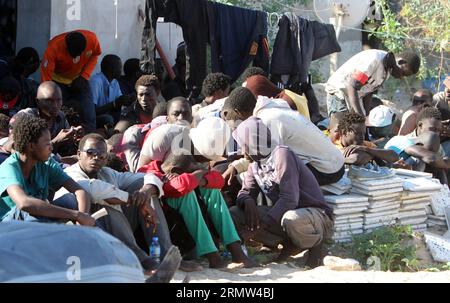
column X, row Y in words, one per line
column 351, row 87
column 69, row 60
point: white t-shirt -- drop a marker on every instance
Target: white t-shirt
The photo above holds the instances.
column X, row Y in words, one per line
column 290, row 128
column 367, row 67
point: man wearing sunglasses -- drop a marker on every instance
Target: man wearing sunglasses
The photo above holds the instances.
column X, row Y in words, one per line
column 129, row 198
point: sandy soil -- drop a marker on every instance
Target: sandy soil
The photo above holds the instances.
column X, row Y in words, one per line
column 286, row 273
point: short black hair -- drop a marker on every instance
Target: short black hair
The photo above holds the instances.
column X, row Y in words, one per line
column 115, row 163
column 90, row 136
column 427, row 95
column 149, row 80
column 27, row 129
column 215, row 81
column 4, row 121
column 242, row 99
column 27, row 56
column 131, row 67
column 253, row 71
column 182, row 161
column 76, row 42
column 177, row 99
column 160, row 110
column 412, row 60
column 428, row 113
column 347, row 122
column 108, row 62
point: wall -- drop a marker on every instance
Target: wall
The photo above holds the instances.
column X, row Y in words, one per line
column 33, row 25
column 99, row 16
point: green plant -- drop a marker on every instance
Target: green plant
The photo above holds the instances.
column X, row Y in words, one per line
column 421, row 25
column 388, row 245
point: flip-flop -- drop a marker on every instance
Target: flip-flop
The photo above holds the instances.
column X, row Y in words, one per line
column 168, row 267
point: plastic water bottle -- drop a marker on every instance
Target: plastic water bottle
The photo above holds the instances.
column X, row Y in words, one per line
column 155, row 249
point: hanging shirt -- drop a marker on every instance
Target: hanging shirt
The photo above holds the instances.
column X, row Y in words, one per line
column 59, row 66
column 103, row 91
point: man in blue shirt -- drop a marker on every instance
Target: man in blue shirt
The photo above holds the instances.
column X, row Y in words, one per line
column 28, row 178
column 106, row 93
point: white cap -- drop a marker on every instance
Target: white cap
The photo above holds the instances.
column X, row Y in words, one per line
column 210, row 137
column 380, row 116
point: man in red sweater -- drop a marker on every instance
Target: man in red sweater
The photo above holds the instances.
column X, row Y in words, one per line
column 69, row 60
column 182, row 177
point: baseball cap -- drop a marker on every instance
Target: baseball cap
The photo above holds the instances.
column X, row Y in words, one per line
column 380, row 116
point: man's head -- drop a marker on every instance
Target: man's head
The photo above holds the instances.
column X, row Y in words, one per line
column 28, row 61
column 238, row 106
column 210, row 138
column 429, row 119
column 132, row 69
column 253, row 71
column 406, row 64
column 111, row 66
column 380, row 121
column 335, row 118
column 76, row 43
column 147, row 90
column 179, row 111
column 261, row 86
column 32, row 138
column 92, row 154
column 4, row 126
column 216, row 86
column 179, row 163
column 422, row 96
column 352, row 129
column 49, row 99
column 254, row 138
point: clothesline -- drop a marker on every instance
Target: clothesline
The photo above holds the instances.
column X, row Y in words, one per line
column 291, row 8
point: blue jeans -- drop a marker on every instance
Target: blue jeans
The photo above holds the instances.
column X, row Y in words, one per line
column 66, row 201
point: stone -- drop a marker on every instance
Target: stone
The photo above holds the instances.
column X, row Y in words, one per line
column 339, row 264
column 439, row 247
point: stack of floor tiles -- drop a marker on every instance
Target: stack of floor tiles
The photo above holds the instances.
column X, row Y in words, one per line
column 384, row 200
column 417, row 195
column 348, row 210
column 413, row 210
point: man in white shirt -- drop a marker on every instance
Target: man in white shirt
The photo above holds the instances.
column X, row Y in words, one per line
column 351, row 87
column 288, row 128
column 123, row 195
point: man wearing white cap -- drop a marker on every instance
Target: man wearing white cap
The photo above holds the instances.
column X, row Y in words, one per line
column 380, row 122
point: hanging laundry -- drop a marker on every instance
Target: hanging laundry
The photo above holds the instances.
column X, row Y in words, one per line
column 153, row 9
column 298, row 43
column 238, row 36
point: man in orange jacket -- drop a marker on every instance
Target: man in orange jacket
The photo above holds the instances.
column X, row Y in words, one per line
column 69, row 60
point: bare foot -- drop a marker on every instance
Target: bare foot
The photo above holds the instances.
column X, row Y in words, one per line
column 189, row 266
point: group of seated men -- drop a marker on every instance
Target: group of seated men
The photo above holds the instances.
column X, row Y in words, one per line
column 243, row 166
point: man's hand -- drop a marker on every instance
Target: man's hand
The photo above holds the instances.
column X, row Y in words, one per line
column 85, row 219
column 144, row 195
column 78, row 133
column 402, row 164
column 169, row 176
column 64, row 135
column 199, row 174
column 149, row 215
column 251, row 214
column 229, row 174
